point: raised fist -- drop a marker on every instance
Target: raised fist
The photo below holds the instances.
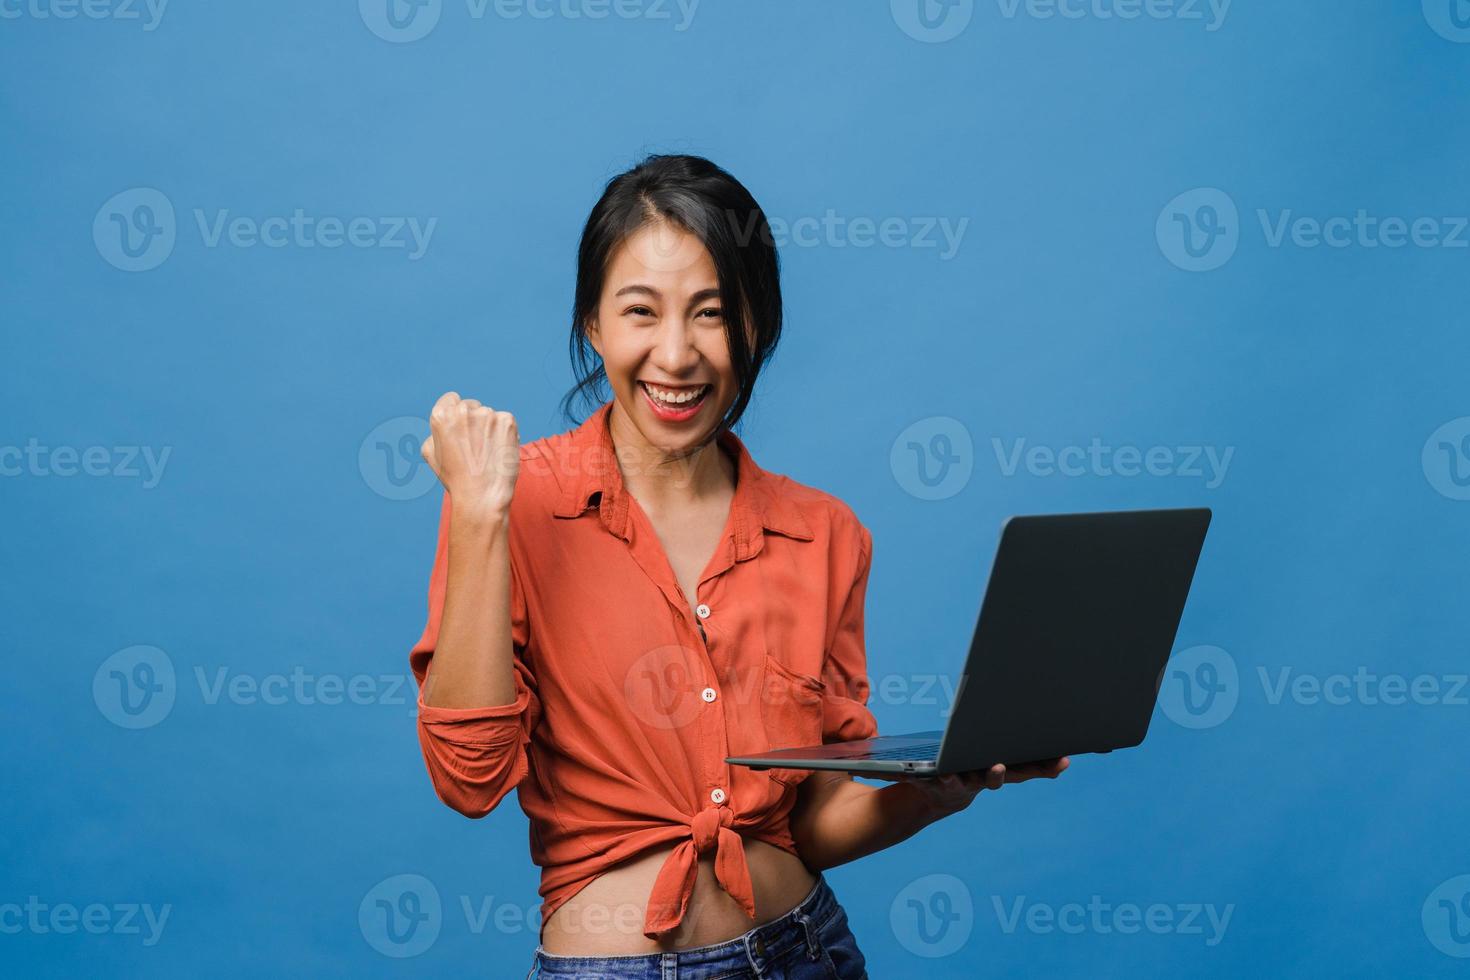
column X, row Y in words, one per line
column 476, row 453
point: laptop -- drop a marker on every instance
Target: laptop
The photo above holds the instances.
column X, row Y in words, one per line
column 1075, row 629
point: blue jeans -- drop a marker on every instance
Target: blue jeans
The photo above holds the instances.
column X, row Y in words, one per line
column 811, row 942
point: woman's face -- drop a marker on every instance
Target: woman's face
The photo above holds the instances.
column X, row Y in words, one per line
column 661, row 334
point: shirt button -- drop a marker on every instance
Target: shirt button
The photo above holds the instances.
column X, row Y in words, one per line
column 717, row 794
column 708, row 694
column 702, row 610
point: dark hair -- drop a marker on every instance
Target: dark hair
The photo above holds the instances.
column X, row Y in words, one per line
column 701, row 198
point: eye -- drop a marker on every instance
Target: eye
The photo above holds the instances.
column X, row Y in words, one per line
column 715, row 312
column 638, row 311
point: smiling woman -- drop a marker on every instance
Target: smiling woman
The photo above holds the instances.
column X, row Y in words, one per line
column 616, row 609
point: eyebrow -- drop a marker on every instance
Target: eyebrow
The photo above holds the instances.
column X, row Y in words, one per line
column 638, row 287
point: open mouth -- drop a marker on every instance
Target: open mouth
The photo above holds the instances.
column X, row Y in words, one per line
column 675, row 403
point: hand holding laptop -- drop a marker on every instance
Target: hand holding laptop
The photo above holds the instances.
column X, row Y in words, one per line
column 952, row 793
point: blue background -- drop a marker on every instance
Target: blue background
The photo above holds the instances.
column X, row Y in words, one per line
column 267, row 547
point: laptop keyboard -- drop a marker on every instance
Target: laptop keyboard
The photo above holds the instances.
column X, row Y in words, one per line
column 917, row 752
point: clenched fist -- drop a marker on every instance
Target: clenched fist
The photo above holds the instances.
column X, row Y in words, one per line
column 476, row 453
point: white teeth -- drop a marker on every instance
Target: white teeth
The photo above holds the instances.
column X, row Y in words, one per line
column 668, row 396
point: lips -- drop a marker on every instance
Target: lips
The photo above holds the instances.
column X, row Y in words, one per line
column 675, row 404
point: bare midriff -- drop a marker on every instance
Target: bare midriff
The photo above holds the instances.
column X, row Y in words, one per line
column 605, row 918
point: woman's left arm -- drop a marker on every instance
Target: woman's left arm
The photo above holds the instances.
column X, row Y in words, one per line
column 836, row 819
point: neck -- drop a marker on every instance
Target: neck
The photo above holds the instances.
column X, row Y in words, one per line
column 659, row 479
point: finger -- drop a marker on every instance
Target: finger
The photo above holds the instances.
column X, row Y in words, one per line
column 995, row 776
column 469, row 403
column 446, row 401
column 1049, row 769
column 427, row 451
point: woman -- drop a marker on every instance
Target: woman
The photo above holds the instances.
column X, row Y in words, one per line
column 615, row 609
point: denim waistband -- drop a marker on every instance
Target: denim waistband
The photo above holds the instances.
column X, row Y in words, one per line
column 761, row 945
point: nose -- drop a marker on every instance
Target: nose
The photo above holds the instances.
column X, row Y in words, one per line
column 674, row 350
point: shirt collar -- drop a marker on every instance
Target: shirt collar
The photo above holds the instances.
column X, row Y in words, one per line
column 587, row 465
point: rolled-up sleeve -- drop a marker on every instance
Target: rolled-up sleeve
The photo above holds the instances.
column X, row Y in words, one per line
column 475, row 756
column 845, row 714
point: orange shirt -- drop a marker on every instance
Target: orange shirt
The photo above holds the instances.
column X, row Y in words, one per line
column 627, row 702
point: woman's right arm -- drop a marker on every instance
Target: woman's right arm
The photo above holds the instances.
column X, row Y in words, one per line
column 476, row 700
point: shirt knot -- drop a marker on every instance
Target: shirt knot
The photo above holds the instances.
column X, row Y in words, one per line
column 705, row 827
column 709, row 831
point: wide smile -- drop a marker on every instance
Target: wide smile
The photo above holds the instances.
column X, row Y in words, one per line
column 677, row 403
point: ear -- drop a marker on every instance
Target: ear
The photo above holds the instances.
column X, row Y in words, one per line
column 594, row 333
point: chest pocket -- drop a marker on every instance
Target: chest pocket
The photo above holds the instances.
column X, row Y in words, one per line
column 791, row 711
